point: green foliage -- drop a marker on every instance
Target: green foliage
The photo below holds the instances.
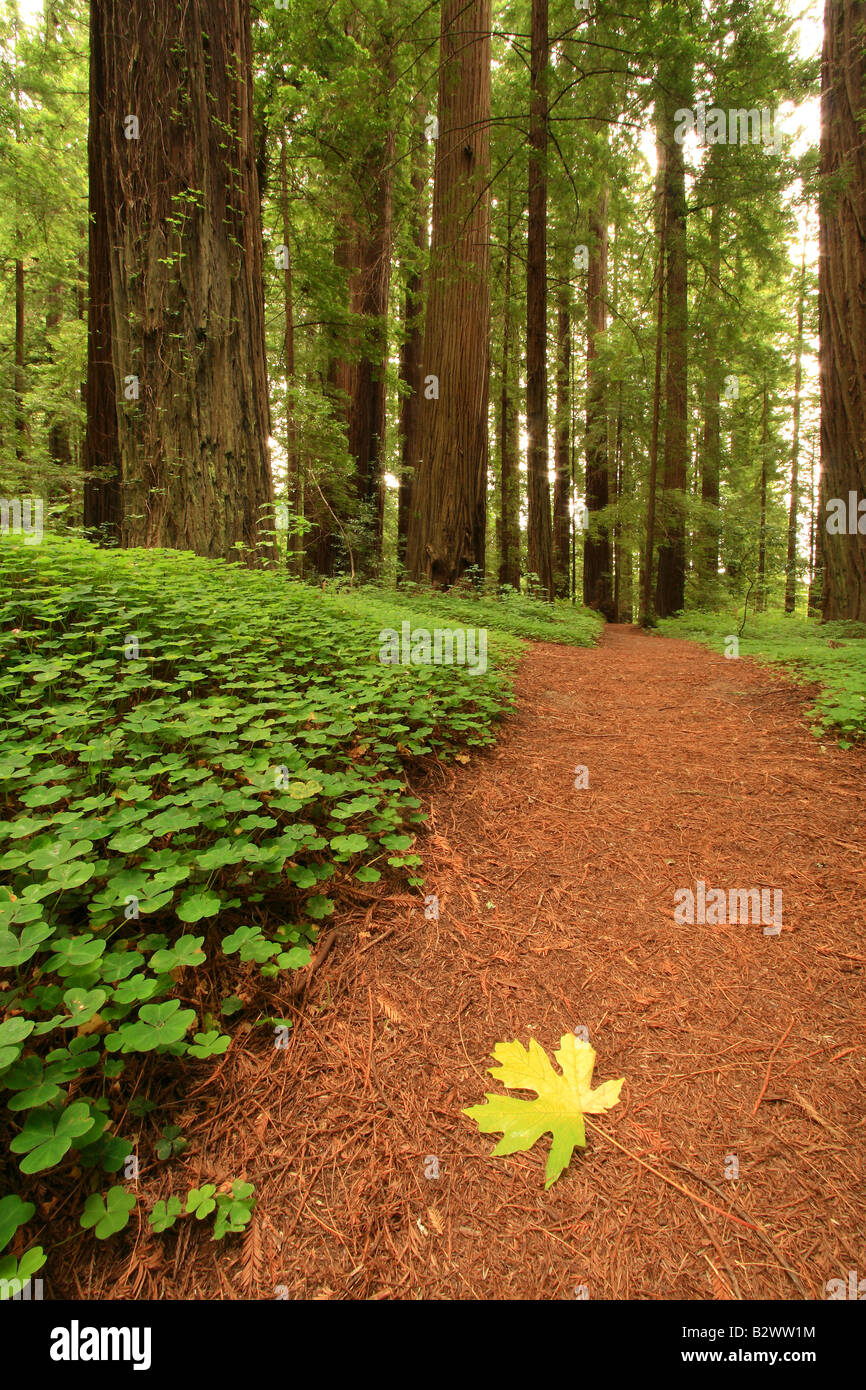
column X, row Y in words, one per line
column 13, row 1213
column 170, row 1144
column 49, row 1134
column 164, row 1214
column 21, row 1270
column 831, row 654
column 216, row 752
column 108, row 1215
column 512, row 615
column 200, row 1201
column 233, row 1209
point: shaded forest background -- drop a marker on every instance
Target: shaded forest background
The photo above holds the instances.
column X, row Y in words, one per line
column 516, row 331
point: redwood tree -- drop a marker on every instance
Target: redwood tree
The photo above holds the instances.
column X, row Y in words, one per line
column 178, row 417
column 671, row 577
column 412, row 349
column 842, row 299
column 791, row 561
column 447, row 525
column 540, row 535
column 368, row 258
column 597, row 553
column 707, row 550
column 660, row 218
column 562, row 446
column 509, row 471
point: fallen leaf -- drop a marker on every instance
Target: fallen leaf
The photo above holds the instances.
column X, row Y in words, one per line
column 561, row 1105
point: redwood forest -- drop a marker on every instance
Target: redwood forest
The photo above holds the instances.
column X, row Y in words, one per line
column 432, row 666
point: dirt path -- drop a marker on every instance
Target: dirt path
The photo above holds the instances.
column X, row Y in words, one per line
column 557, row 911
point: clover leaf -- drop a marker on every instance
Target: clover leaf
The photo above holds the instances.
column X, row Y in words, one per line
column 165, row 1214
column 12, row 1034
column 16, row 1274
column 159, row 1025
column 197, row 904
column 200, row 1201
column 13, row 1213
column 48, row 1135
column 185, row 952
column 108, row 1215
column 210, row 1044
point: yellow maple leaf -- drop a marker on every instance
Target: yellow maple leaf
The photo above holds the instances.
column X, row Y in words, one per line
column 562, row 1102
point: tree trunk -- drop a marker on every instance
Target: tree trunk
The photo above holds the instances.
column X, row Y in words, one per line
column 573, row 493
column 842, row 302
column 741, row 455
column 671, row 579
column 816, row 557
column 177, row 375
column 294, row 482
column 368, row 300
column 19, row 382
column 101, row 458
column 708, row 547
column 509, row 471
column 646, row 576
column 447, row 528
column 623, row 580
column 59, row 443
column 324, row 546
column 562, row 480
column 59, row 446
column 761, row 586
column 20, row 413
column 412, row 350
column 791, row 563
column 597, row 553
column 540, row 536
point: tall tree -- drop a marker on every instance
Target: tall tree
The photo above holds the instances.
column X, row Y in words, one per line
column 21, row 431
column 509, row 472
column 562, row 445
column 177, row 391
column 816, row 546
column 707, row 553
column 447, row 526
column 761, row 586
column 842, row 302
column 660, row 209
column 102, row 505
column 412, row 348
column 597, row 553
column 367, row 256
column 540, row 535
column 791, row 560
column 671, row 578
column 623, row 572
column 294, row 479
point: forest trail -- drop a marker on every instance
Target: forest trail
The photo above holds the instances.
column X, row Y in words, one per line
column 556, row 911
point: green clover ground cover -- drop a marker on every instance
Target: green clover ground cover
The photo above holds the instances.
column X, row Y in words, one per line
column 831, row 654
column 193, row 759
column 522, row 617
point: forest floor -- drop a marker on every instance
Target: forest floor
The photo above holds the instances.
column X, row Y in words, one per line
column 556, row 912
